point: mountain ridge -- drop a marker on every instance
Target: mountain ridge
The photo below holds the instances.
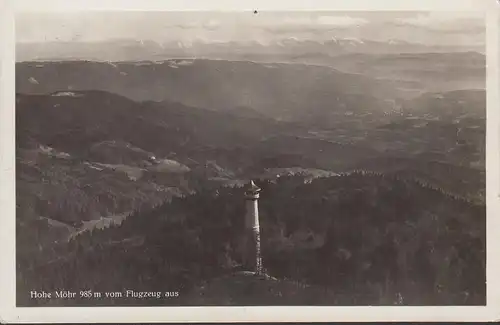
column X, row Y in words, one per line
column 136, row 48
column 291, row 89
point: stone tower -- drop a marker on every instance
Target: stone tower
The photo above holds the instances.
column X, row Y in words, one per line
column 252, row 257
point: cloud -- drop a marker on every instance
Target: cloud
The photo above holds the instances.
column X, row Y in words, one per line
column 315, row 24
column 210, row 24
column 341, row 21
column 436, row 27
column 446, row 21
column 293, row 21
column 190, row 25
column 321, row 21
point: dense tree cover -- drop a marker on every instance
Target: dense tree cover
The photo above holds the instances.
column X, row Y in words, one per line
column 368, row 238
column 71, row 191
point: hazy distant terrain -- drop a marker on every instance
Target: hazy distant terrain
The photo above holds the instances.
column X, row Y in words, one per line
column 370, row 155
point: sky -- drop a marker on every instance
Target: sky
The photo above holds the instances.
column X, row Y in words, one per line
column 445, row 28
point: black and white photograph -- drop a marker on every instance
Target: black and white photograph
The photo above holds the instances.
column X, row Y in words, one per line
column 250, row 158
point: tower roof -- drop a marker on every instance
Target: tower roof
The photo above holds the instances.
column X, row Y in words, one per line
column 251, row 187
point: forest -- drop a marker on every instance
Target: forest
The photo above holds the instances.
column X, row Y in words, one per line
column 357, row 239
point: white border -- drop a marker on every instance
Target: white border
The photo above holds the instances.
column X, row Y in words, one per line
column 493, row 160
column 8, row 311
column 238, row 5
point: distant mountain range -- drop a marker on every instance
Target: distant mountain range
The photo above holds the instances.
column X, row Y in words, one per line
column 291, row 92
column 414, row 66
column 277, row 51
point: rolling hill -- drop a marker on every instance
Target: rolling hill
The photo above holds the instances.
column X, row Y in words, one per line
column 72, row 139
column 418, row 72
column 291, row 91
column 412, row 68
column 91, row 155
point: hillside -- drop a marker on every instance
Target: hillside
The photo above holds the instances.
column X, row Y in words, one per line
column 77, row 121
column 455, row 119
column 247, row 288
column 371, row 238
column 92, row 155
column 457, row 180
column 430, row 72
column 312, row 95
column 452, row 105
column 88, row 156
column 290, row 90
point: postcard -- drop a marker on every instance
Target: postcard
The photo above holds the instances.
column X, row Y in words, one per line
column 269, row 161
